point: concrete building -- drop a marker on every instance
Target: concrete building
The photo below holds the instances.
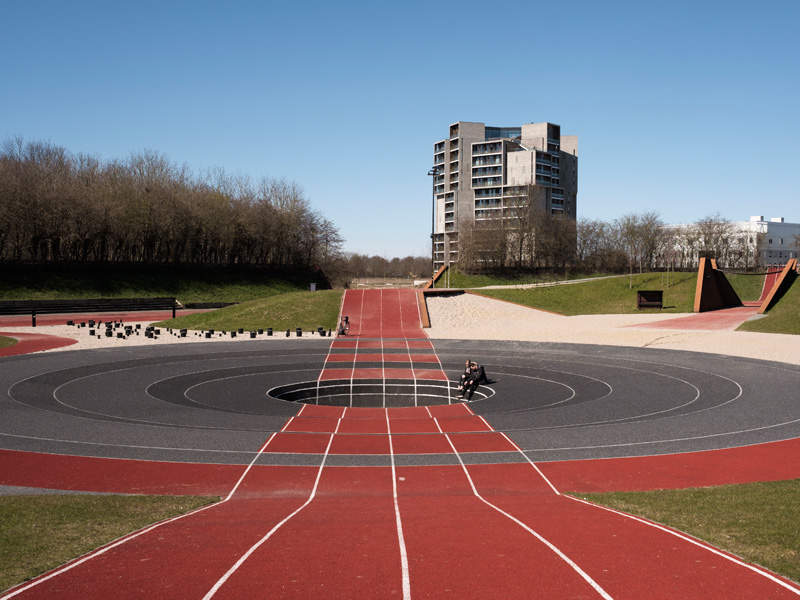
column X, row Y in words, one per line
column 483, row 173
column 774, row 241
column 739, row 245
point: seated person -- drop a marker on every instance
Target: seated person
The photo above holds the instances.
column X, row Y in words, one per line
column 465, row 375
column 344, row 325
column 474, row 374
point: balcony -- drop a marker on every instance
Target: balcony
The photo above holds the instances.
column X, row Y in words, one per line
column 478, row 162
column 482, row 182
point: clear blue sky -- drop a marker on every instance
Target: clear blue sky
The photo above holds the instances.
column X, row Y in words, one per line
column 686, row 108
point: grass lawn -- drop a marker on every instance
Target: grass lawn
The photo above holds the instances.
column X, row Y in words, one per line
column 784, row 317
column 5, row 342
column 464, row 280
column 759, row 522
column 748, row 287
column 607, row 296
column 308, row 310
column 39, row 533
column 187, row 283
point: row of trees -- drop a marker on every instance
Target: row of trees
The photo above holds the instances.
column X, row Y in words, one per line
column 362, row 265
column 639, row 242
column 60, row 207
column 644, row 242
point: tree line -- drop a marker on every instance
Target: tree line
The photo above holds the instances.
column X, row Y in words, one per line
column 361, row 265
column 56, row 206
column 534, row 239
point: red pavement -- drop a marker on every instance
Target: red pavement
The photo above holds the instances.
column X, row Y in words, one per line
column 33, row 342
column 724, row 319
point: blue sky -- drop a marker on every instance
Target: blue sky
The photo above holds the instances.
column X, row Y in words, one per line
column 685, row 108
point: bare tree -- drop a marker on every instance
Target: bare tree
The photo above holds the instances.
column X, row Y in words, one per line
column 58, row 207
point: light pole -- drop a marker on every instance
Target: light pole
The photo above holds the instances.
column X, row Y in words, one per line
column 433, row 172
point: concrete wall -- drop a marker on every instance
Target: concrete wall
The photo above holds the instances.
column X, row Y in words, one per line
column 520, row 167
column 569, row 144
column 534, row 135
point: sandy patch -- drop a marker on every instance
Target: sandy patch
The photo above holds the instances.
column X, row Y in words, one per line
column 468, row 316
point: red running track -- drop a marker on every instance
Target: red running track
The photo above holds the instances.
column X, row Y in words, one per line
column 465, row 531
column 472, row 531
column 383, row 323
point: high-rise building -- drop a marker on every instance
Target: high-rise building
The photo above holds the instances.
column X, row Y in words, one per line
column 484, row 173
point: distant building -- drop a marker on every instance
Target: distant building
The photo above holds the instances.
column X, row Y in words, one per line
column 484, row 173
column 774, row 241
column 736, row 244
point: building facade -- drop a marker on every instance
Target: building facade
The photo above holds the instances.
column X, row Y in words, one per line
column 750, row 244
column 485, row 173
column 774, row 241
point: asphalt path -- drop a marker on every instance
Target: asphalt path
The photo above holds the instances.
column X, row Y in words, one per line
column 208, row 403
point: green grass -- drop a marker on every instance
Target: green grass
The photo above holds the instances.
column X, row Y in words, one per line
column 758, row 521
column 5, row 342
column 308, row 310
column 464, row 280
column 39, row 533
column 783, row 317
column 747, row 287
column 606, row 296
column 187, row 283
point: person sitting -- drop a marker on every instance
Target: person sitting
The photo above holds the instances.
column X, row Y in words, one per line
column 465, row 375
column 477, row 375
column 344, row 325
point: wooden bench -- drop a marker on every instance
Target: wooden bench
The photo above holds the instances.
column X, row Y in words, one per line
column 650, row 299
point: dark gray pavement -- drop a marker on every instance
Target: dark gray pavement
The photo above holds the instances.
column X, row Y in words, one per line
column 208, row 402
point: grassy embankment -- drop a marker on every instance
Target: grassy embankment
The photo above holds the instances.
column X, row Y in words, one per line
column 784, row 317
column 464, row 280
column 747, row 287
column 39, row 533
column 5, row 342
column 607, row 296
column 186, row 283
column 756, row 521
column 308, row 310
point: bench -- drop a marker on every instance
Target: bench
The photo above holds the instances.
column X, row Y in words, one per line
column 82, row 305
column 650, row 299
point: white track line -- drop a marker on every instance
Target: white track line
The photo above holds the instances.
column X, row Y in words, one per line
column 446, row 379
column 353, row 371
column 330, row 347
column 603, row 594
column 525, row 456
column 136, row 534
column 355, row 351
column 221, row 581
column 401, row 540
column 408, row 348
column 645, row 521
column 383, row 363
column 770, row 576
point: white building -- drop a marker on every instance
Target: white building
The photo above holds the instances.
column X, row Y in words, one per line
column 775, row 241
column 736, row 245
